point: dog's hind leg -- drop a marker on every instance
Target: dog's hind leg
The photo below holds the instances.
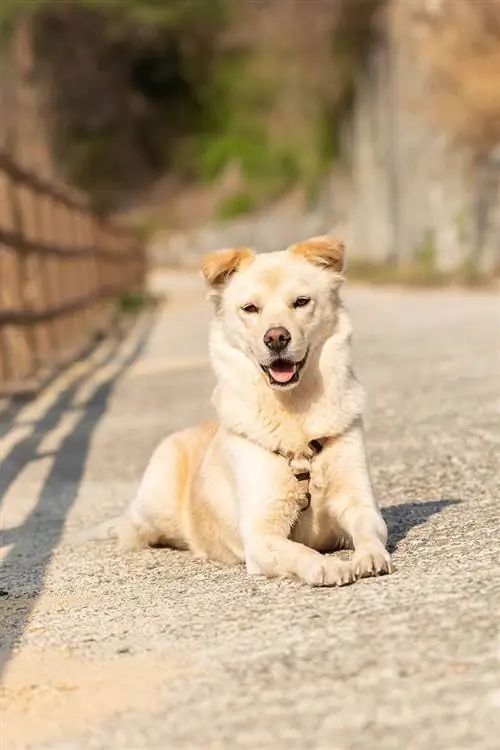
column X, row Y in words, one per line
column 155, row 515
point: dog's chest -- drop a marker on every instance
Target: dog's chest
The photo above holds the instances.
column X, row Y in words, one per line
column 315, row 525
column 320, row 479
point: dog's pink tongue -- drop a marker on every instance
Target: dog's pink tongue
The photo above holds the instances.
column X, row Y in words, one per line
column 282, row 372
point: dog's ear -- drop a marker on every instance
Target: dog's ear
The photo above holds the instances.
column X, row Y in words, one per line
column 323, row 251
column 218, row 266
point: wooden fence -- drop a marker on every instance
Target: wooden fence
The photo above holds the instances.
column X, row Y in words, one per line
column 61, row 265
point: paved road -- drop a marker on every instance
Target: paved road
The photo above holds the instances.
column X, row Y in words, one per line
column 159, row 651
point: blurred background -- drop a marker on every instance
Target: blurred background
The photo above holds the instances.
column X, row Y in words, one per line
column 197, row 124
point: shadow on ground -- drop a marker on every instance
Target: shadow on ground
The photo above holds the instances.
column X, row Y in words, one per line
column 46, row 521
column 400, row 519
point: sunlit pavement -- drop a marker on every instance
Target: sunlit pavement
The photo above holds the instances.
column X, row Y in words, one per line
column 156, row 650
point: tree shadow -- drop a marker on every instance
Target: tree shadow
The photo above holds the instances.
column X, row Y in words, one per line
column 400, row 519
column 23, row 570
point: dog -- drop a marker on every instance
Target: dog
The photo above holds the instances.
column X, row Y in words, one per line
column 281, row 476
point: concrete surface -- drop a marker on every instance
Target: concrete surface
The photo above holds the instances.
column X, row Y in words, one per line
column 159, row 651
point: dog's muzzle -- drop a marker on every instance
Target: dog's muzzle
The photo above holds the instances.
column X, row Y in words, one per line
column 283, row 372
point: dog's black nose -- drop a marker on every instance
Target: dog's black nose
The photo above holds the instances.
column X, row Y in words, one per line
column 277, row 339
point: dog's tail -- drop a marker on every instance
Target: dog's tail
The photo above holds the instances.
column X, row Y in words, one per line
column 129, row 537
column 109, row 529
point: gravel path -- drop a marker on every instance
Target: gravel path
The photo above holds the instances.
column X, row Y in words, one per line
column 159, row 651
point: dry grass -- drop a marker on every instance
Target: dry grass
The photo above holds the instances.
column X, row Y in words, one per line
column 415, row 274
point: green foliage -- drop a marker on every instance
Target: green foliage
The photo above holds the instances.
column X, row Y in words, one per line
column 236, row 205
column 218, row 151
column 263, row 165
column 169, row 13
column 133, row 302
column 173, row 98
column 425, row 255
column 238, row 100
column 470, row 273
column 328, row 137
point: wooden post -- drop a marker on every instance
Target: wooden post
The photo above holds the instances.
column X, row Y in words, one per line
column 23, row 263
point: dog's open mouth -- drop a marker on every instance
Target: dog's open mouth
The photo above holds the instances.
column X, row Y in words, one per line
column 284, row 372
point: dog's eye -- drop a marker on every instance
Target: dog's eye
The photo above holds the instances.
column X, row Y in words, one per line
column 301, row 302
column 251, row 309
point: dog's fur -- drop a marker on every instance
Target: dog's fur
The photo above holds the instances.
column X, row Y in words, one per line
column 226, row 490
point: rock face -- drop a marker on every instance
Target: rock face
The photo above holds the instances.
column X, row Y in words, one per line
column 401, row 187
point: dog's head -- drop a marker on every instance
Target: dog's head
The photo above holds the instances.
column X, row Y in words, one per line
column 277, row 308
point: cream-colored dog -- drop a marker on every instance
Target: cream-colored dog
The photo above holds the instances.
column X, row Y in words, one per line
column 281, row 477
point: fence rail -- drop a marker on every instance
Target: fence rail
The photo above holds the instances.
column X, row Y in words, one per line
column 61, row 264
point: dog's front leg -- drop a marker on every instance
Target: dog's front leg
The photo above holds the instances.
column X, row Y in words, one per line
column 269, row 552
column 362, row 520
column 267, row 512
column 355, row 508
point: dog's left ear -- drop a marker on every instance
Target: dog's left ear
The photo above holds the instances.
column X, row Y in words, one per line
column 219, row 266
column 323, row 251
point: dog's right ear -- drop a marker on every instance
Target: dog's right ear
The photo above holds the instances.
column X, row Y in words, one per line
column 219, row 266
column 324, row 251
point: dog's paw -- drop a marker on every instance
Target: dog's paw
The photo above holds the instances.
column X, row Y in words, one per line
column 371, row 560
column 328, row 571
